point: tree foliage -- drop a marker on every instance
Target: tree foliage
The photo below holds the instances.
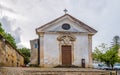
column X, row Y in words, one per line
column 109, row 56
column 1, row 30
column 26, row 54
column 7, row 36
column 99, row 51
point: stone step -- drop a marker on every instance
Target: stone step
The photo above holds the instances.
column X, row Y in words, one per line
column 52, row 71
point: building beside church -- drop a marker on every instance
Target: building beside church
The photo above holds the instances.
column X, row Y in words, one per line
column 63, row 41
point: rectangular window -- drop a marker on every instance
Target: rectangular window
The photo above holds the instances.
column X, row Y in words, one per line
column 35, row 45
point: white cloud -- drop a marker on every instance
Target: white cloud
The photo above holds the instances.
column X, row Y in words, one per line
column 9, row 26
column 26, row 15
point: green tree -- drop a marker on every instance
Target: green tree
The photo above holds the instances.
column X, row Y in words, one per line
column 10, row 39
column 109, row 56
column 99, row 51
column 26, row 54
column 97, row 54
column 1, row 30
column 7, row 37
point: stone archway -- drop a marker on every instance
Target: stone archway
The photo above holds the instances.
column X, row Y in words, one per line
column 66, row 49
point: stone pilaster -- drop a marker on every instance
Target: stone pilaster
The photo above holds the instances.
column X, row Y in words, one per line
column 60, row 54
column 90, row 49
column 41, row 40
column 72, row 45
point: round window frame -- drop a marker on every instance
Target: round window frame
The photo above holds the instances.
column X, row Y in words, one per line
column 66, row 26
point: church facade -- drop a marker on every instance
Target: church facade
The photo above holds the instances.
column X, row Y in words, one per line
column 63, row 41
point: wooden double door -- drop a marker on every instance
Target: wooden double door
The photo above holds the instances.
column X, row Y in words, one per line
column 66, row 55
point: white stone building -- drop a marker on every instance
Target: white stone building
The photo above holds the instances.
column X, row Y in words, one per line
column 64, row 41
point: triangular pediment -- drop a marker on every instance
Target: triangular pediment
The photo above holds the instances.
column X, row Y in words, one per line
column 73, row 25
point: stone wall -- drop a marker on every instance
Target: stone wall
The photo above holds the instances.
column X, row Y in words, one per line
column 54, row 71
column 9, row 56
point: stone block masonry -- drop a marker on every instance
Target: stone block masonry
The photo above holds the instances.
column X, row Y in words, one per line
column 9, row 56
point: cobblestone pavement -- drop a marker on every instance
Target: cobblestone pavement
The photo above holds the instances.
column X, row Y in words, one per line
column 50, row 71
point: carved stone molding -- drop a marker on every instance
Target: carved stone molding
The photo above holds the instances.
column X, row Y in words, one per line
column 66, row 39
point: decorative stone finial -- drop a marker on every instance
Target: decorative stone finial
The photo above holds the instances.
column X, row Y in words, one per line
column 65, row 11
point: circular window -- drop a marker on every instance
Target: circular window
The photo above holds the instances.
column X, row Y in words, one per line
column 66, row 26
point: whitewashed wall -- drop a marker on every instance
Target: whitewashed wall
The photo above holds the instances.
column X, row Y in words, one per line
column 81, row 49
column 51, row 49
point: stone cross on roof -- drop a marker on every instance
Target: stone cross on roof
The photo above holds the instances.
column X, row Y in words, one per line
column 65, row 11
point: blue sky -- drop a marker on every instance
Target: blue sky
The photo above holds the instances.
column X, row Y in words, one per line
column 21, row 17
